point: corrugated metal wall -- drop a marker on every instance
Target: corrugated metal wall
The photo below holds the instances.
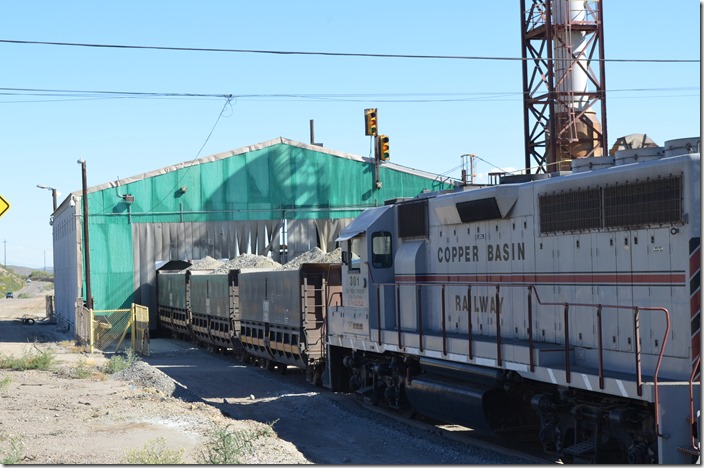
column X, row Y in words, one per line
column 232, row 203
column 155, row 243
column 68, row 265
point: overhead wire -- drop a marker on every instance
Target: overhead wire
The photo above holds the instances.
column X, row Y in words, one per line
column 321, row 53
column 430, row 97
column 227, row 104
column 54, row 95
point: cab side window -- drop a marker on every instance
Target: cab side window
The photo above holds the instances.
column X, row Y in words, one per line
column 381, row 249
column 355, row 249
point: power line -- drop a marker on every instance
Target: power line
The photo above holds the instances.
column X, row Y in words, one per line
column 64, row 92
column 320, row 53
column 61, row 95
column 190, row 165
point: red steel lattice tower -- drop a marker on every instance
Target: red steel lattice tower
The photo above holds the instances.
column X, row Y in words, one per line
column 563, row 82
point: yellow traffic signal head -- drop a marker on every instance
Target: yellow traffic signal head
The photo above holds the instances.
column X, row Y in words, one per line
column 383, row 147
column 370, row 126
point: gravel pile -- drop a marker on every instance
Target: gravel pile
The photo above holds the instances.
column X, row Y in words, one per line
column 218, row 267
column 333, row 257
column 314, row 255
column 207, row 263
column 142, row 374
column 248, row 261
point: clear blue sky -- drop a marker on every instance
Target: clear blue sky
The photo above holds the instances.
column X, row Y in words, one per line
column 41, row 137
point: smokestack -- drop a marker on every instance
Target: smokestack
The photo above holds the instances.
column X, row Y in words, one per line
column 578, row 127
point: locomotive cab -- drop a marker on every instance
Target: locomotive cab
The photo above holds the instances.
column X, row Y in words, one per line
column 367, row 257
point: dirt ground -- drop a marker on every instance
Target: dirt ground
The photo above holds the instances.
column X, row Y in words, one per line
column 179, row 393
column 52, row 417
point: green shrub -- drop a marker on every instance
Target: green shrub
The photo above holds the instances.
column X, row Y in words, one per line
column 119, row 363
column 82, row 370
column 39, row 275
column 5, row 382
column 225, row 447
column 40, row 360
column 14, row 455
column 154, row 453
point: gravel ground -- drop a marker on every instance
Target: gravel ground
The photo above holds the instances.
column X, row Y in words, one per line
column 49, row 418
column 74, row 413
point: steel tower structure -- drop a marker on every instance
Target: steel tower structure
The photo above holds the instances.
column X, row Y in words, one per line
column 563, row 82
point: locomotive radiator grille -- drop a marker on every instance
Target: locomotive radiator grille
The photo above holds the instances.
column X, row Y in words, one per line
column 642, row 203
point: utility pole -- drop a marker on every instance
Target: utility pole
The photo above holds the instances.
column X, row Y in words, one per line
column 5, row 249
column 471, row 157
column 86, row 253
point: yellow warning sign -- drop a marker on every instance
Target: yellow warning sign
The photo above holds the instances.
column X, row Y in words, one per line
column 4, row 206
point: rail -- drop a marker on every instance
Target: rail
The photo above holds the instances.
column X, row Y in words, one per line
column 532, row 294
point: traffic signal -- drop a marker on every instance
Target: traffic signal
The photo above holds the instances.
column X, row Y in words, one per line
column 370, row 127
column 383, row 147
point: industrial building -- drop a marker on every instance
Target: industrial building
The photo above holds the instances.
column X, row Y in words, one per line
column 278, row 198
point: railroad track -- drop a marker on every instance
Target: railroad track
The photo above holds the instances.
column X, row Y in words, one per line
column 528, row 452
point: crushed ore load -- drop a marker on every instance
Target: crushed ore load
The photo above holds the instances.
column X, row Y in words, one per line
column 248, row 261
column 314, row 255
column 207, row 263
column 218, row 267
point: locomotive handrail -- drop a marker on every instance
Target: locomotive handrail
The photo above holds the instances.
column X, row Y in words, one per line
column 636, row 329
column 332, row 295
column 695, row 369
column 532, row 290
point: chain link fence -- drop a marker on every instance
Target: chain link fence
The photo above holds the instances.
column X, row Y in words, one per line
column 106, row 330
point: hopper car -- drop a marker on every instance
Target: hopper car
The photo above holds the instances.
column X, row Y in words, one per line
column 275, row 318
column 283, row 316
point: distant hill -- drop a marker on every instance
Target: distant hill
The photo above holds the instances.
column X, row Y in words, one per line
column 26, row 271
column 10, row 281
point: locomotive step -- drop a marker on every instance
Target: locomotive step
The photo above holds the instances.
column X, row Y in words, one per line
column 689, row 450
column 582, row 448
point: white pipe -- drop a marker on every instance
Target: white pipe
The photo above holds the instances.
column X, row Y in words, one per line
column 576, row 79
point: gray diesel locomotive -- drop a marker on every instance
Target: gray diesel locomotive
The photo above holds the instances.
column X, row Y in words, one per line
column 565, row 305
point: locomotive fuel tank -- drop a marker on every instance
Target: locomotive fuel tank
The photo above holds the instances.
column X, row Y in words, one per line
column 471, row 396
